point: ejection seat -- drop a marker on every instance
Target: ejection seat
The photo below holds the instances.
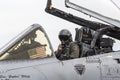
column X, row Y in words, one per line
column 84, row 38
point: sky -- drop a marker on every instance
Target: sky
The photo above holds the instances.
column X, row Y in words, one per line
column 17, row 15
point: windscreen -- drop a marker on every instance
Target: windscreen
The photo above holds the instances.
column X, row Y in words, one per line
column 32, row 46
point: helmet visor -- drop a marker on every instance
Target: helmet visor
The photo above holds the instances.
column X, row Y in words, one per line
column 63, row 37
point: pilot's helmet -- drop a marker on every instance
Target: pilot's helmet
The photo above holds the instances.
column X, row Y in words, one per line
column 65, row 35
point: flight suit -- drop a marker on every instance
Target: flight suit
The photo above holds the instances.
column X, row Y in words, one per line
column 74, row 50
column 71, row 51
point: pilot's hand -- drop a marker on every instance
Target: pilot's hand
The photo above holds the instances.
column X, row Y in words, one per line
column 58, row 49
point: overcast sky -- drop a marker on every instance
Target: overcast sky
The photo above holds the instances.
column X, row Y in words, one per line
column 17, row 15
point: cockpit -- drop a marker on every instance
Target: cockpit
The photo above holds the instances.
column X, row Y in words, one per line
column 89, row 44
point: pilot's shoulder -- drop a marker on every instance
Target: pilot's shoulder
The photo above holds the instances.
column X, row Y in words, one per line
column 74, row 45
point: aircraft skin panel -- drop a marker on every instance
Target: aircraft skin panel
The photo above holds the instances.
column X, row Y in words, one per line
column 47, row 69
column 51, row 69
column 110, row 71
column 28, row 73
column 109, row 65
column 24, row 69
column 76, row 69
column 59, row 71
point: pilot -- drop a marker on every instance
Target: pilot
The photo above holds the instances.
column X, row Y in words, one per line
column 67, row 49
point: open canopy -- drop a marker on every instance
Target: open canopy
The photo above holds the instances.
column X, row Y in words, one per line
column 113, row 23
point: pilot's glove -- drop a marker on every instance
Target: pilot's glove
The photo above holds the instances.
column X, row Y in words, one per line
column 58, row 49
